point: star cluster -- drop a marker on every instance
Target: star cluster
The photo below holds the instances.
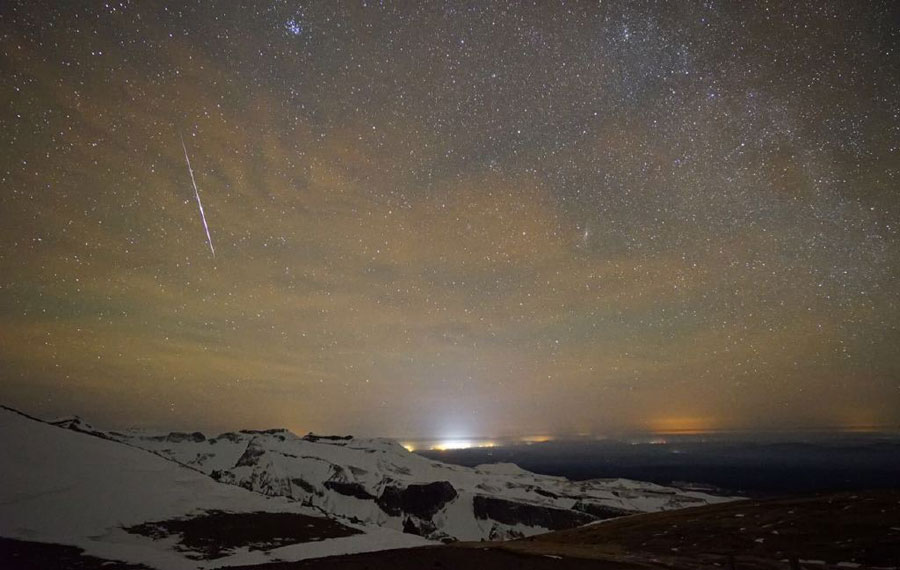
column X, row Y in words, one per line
column 452, row 218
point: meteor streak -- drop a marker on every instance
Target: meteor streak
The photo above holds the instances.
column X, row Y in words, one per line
column 197, row 194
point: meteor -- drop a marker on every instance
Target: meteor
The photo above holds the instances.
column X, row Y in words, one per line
column 197, row 195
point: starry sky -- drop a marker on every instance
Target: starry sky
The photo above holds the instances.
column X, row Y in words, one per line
column 441, row 219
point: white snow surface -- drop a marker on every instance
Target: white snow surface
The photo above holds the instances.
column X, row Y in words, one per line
column 64, row 487
column 374, row 539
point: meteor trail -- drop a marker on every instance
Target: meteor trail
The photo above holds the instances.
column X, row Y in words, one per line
column 197, row 194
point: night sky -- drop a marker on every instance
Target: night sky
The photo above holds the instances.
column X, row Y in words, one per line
column 441, row 219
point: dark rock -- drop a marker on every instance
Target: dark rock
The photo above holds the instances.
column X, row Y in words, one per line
column 230, row 436
column 305, row 485
column 422, row 501
column 273, row 431
column 602, row 512
column 391, row 501
column 349, row 489
column 75, row 423
column 153, row 437
column 544, row 493
column 511, row 513
column 178, row 437
column 413, row 525
column 314, row 438
column 409, row 527
column 215, row 534
column 501, row 534
column 251, row 455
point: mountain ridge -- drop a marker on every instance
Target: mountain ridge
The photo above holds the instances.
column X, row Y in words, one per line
column 160, row 499
column 376, row 481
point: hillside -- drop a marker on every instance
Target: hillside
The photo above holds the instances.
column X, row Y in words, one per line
column 848, row 530
column 117, row 502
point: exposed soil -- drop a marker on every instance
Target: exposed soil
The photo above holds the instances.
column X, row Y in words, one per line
column 216, row 533
column 849, row 528
column 27, row 555
column 845, row 531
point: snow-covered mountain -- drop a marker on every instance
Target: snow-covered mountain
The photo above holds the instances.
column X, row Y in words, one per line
column 378, row 482
column 117, row 502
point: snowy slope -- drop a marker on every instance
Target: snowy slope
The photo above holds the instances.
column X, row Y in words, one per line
column 70, row 488
column 378, row 482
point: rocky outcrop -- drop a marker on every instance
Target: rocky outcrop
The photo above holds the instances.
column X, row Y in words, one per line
column 299, row 482
column 328, row 438
column 75, row 423
column 422, row 501
column 378, row 482
column 349, row 489
column 601, row 512
column 178, row 437
column 516, row 513
column 251, row 455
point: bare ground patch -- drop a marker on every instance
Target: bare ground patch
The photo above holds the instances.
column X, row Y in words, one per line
column 28, row 555
column 216, row 533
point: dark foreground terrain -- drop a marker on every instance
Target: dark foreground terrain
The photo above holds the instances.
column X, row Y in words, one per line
column 845, row 530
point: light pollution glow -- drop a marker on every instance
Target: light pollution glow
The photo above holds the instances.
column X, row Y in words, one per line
column 448, row 444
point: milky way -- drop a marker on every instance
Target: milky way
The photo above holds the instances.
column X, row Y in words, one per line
column 452, row 219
